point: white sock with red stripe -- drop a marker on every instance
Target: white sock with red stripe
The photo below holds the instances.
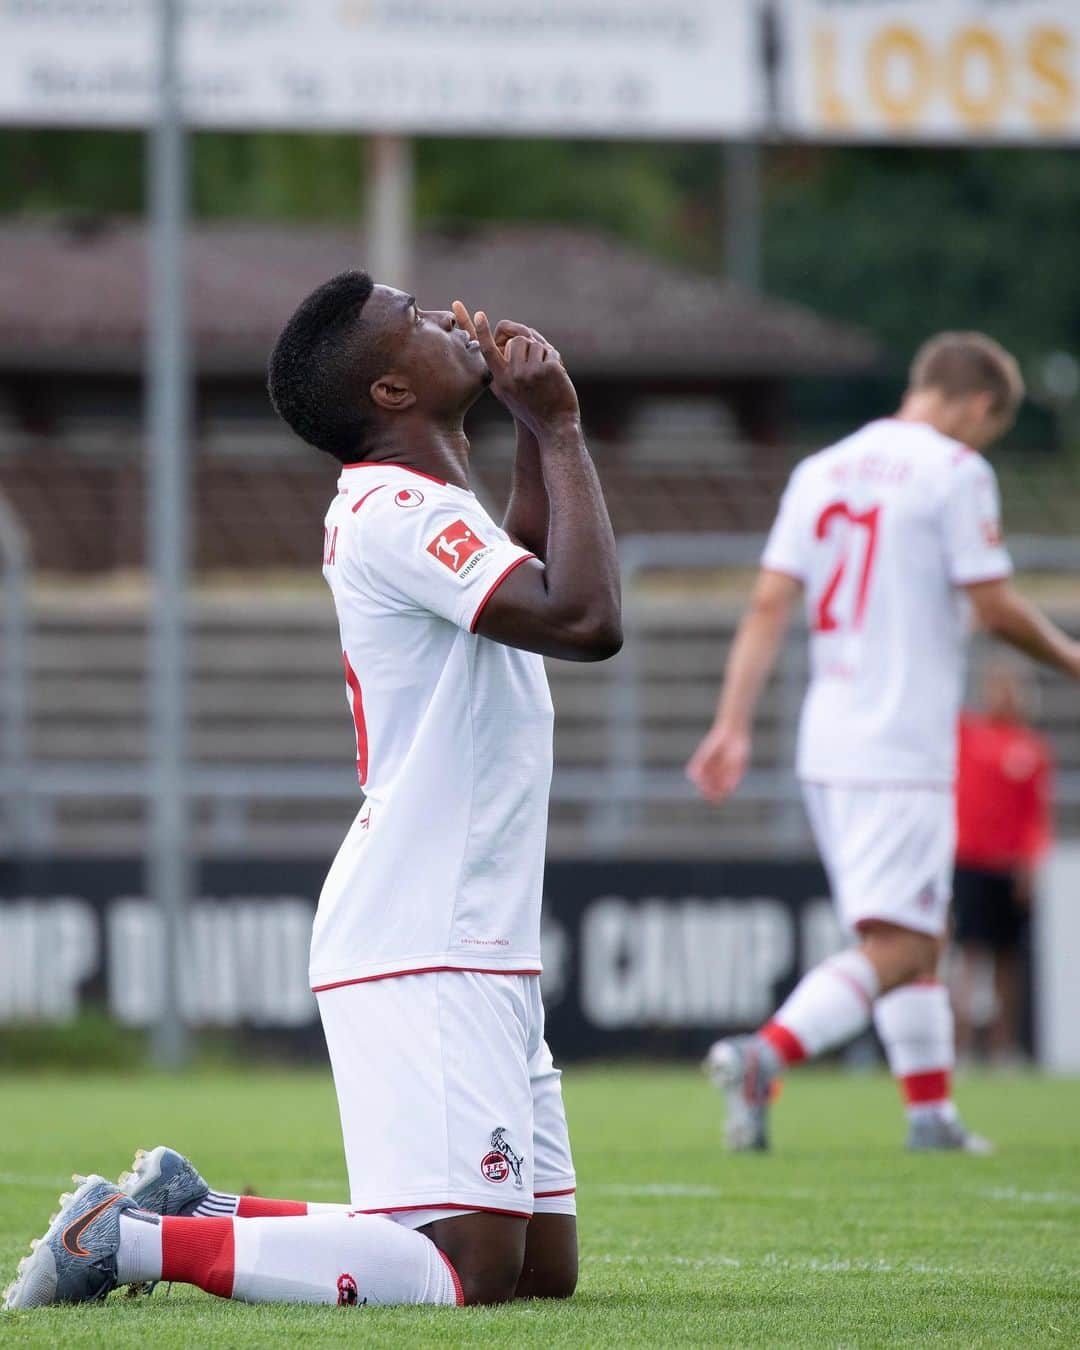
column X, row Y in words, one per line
column 323, row 1258
column 224, row 1205
column 831, row 1004
column 915, row 1023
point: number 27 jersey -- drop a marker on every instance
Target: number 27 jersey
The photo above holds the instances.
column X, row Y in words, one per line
column 884, row 529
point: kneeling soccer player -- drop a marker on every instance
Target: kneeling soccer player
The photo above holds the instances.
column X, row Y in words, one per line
column 894, row 536
column 426, row 950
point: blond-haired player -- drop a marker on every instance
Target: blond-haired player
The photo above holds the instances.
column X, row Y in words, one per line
column 892, row 538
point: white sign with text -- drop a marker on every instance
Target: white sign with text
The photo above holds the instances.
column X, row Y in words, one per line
column 610, row 68
column 931, row 70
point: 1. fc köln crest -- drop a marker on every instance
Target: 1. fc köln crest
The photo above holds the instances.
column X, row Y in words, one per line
column 501, row 1162
column 456, row 545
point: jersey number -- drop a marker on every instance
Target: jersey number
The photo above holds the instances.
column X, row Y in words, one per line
column 826, row 619
column 356, row 702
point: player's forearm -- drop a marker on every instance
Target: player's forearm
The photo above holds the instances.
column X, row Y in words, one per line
column 581, row 562
column 1018, row 622
column 526, row 519
column 753, row 655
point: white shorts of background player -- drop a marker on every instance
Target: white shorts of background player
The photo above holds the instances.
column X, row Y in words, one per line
column 888, row 851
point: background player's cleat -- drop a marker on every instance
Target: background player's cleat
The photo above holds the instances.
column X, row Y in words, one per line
column 75, row 1261
column 164, row 1182
column 747, row 1069
column 929, row 1133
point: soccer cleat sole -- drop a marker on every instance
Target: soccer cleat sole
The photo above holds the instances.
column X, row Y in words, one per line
column 34, row 1285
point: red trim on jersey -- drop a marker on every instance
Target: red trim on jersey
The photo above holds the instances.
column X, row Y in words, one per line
column 392, row 464
column 548, row 1195
column 411, row 1209
column 199, row 1252
column 366, row 495
column 356, row 700
column 420, row 970
column 786, row 1044
column 926, row 1089
column 459, row 1293
column 495, row 586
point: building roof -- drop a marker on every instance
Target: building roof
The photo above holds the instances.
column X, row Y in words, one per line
column 73, row 296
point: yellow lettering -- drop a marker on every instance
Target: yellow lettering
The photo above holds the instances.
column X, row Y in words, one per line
column 894, row 50
column 1048, row 52
column 977, row 51
column 832, row 109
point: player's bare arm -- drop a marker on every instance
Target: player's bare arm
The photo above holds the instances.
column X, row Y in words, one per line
column 1004, row 612
column 526, row 519
column 569, row 605
column 719, row 762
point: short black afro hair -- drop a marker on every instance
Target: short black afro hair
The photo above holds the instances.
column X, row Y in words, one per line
column 322, row 367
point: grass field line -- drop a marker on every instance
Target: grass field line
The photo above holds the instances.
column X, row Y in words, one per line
column 20, row 1179
column 663, row 1190
column 775, row 1261
column 1018, row 1197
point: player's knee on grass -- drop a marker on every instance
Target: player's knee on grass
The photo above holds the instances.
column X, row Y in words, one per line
column 486, row 1250
column 551, row 1257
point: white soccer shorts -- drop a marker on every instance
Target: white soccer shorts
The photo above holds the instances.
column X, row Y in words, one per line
column 448, row 1095
column 888, row 852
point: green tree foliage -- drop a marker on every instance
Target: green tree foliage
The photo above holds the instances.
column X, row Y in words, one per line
column 907, row 241
column 900, row 240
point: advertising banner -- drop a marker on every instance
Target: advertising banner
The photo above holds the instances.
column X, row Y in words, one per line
column 559, row 67
column 639, row 958
column 930, row 70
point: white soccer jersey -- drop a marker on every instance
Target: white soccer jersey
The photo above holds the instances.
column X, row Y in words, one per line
column 443, row 866
column 882, row 529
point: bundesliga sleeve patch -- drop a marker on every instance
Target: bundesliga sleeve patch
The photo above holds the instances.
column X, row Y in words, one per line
column 457, row 548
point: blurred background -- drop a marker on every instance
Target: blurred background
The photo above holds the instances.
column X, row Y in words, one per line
column 736, row 220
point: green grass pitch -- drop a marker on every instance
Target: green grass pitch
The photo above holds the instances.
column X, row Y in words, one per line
column 838, row 1238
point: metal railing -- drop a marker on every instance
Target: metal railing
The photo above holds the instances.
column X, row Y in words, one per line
column 612, row 796
column 15, row 559
column 631, row 785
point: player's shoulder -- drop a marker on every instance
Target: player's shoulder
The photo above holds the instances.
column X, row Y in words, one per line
column 946, row 453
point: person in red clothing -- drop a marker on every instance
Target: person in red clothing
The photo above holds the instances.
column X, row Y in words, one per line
column 1004, row 827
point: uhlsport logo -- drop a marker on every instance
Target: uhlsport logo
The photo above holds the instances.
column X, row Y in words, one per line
column 456, row 546
column 501, row 1162
column 409, row 497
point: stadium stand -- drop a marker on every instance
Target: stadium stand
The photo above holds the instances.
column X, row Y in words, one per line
column 271, row 750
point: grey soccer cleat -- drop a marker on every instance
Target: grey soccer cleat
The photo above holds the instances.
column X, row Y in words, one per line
column 746, row 1068
column 164, row 1182
column 75, row 1261
column 934, row 1133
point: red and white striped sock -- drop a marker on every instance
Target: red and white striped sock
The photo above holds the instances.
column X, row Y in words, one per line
column 321, row 1258
column 225, row 1205
column 831, row 1004
column 915, row 1023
